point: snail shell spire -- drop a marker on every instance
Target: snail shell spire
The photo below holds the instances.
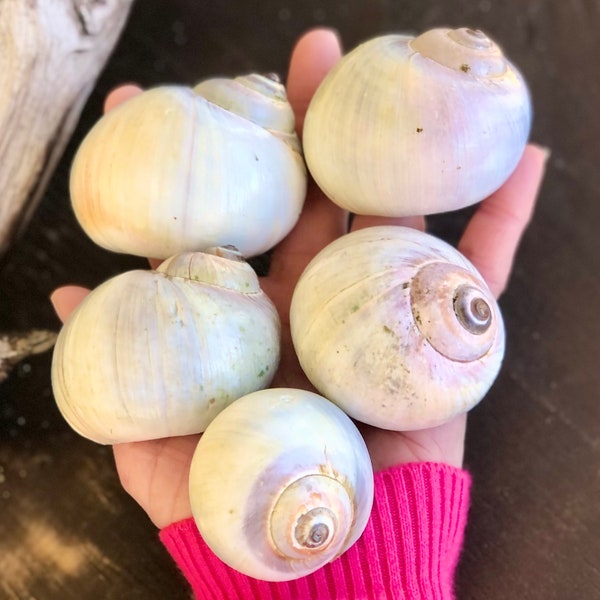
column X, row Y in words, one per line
column 261, row 99
column 463, row 50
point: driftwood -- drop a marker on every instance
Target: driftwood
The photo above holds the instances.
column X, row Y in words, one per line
column 51, row 53
column 16, row 347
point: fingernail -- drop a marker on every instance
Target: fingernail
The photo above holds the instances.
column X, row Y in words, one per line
column 329, row 32
column 336, row 34
column 53, row 300
column 545, row 150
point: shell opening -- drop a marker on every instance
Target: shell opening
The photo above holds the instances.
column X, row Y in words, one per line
column 472, row 310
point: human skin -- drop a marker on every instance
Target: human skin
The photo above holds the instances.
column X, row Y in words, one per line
column 155, row 472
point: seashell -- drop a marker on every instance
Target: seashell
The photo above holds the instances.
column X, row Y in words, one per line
column 151, row 354
column 397, row 328
column 280, row 484
column 411, row 126
column 179, row 169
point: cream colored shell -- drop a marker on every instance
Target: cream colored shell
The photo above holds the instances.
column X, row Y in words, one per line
column 171, row 171
column 397, row 328
column 280, row 484
column 410, row 126
column 153, row 354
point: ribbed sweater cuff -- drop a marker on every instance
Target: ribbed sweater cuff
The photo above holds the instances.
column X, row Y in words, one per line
column 408, row 551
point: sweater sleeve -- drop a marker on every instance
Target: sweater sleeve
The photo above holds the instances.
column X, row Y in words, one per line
column 409, row 550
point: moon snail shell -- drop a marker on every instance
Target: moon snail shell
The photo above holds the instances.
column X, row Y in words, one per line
column 417, row 125
column 281, row 483
column 152, row 354
column 397, row 328
column 178, row 169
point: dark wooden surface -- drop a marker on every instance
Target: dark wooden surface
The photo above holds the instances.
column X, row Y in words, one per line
column 68, row 531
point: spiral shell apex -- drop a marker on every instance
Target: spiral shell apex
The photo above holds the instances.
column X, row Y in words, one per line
column 152, row 354
column 411, row 126
column 171, row 171
column 281, row 483
column 397, row 328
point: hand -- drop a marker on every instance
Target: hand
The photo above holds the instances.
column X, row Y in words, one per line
column 155, row 472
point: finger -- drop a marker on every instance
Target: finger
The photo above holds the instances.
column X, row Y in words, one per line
column 120, row 94
column 321, row 221
column 156, row 474
column 492, row 235
column 66, row 299
column 316, row 53
column 312, row 58
column 363, row 221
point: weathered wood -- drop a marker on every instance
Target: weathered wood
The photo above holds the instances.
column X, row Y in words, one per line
column 51, row 54
column 15, row 347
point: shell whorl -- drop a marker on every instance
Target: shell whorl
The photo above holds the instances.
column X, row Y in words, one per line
column 261, row 99
column 316, row 523
column 220, row 266
column 454, row 310
column 467, row 50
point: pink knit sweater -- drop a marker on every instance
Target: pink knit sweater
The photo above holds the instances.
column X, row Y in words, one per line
column 408, row 551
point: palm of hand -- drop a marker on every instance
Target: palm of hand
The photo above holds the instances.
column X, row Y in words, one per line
column 156, row 472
